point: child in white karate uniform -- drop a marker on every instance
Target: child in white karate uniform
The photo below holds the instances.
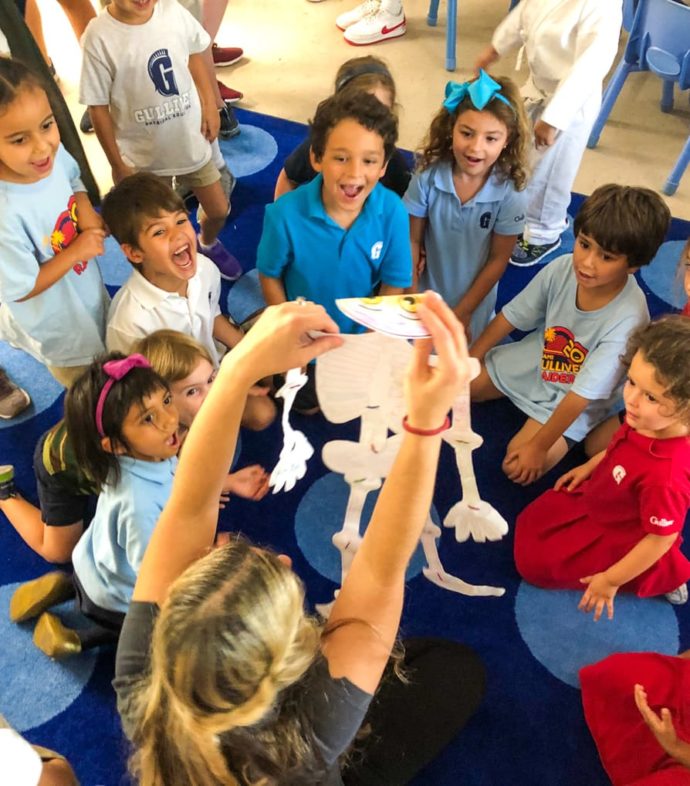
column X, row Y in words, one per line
column 569, row 46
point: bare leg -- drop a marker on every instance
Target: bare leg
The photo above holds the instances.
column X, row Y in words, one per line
column 32, row 17
column 54, row 544
column 259, row 413
column 555, row 453
column 214, row 211
column 213, row 12
column 598, row 438
column 57, row 772
column 79, row 13
column 482, row 388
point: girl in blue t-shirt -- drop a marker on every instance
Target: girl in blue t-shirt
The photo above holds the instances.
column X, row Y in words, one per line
column 465, row 201
column 53, row 300
column 123, row 427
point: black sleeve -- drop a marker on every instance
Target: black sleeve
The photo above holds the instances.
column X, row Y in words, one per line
column 398, row 173
column 297, row 166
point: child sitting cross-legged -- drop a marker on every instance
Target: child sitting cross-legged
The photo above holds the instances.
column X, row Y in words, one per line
column 566, row 374
column 343, row 234
column 614, row 523
column 172, row 286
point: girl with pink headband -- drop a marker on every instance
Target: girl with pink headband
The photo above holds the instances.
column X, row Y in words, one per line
column 123, row 430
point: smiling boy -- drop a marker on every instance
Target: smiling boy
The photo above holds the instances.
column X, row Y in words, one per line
column 566, row 374
column 343, row 234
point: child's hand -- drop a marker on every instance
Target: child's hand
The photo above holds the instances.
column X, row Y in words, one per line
column 544, row 134
column 431, row 390
column 661, row 726
column 487, row 56
column 249, row 482
column 210, row 122
column 121, row 171
column 88, row 244
column 599, row 594
column 573, row 478
column 525, row 464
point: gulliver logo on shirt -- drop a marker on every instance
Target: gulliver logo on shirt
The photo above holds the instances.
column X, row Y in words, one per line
column 562, row 356
column 376, row 249
column 619, row 473
column 485, row 220
column 65, row 231
column 161, row 73
column 660, row 522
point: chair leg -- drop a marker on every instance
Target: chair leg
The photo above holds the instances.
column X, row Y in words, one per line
column 667, row 96
column 609, row 99
column 432, row 16
column 451, row 33
column 681, row 165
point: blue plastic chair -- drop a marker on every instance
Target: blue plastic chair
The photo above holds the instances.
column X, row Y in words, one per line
column 659, row 42
column 451, row 26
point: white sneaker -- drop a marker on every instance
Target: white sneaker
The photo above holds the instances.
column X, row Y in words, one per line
column 359, row 12
column 679, row 596
column 377, row 26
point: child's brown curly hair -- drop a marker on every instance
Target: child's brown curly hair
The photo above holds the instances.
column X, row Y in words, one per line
column 512, row 163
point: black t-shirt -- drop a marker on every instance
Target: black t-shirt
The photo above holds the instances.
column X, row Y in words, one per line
column 337, row 706
column 298, row 168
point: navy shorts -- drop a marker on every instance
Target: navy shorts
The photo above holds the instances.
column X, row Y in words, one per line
column 59, row 506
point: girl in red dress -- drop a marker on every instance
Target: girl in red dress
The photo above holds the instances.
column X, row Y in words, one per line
column 640, row 731
column 615, row 522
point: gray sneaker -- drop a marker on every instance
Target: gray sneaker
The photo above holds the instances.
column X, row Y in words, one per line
column 679, row 596
column 13, row 400
column 7, row 487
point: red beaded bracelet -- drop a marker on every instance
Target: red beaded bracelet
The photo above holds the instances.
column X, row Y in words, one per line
column 426, row 432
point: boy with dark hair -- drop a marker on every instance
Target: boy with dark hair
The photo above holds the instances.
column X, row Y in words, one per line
column 171, row 286
column 343, row 234
column 565, row 375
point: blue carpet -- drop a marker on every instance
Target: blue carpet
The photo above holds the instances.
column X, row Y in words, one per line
column 530, row 729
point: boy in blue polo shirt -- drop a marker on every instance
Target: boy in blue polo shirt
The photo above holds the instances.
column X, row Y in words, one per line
column 343, row 234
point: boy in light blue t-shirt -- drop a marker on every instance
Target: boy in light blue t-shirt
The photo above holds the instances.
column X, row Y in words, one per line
column 343, row 234
column 566, row 374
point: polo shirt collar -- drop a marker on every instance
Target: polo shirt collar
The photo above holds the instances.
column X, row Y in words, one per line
column 660, row 448
column 148, row 294
column 492, row 191
column 152, row 471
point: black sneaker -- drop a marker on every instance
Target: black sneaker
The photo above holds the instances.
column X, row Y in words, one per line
column 7, row 487
column 13, row 399
column 229, row 124
column 526, row 254
column 85, row 124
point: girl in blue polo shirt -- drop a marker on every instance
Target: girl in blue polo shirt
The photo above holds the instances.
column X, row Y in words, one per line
column 123, row 427
column 466, row 201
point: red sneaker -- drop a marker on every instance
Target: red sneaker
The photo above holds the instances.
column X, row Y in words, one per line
column 226, row 55
column 229, row 95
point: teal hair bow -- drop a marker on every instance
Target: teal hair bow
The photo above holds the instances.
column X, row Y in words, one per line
column 481, row 90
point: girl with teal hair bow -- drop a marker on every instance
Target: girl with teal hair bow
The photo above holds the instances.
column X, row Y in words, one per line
column 465, row 202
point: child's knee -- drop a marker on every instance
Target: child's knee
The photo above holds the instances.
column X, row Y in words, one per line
column 259, row 413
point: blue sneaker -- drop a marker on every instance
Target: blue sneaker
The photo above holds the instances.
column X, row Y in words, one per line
column 526, row 254
column 226, row 263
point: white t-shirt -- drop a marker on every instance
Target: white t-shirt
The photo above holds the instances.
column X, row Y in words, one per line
column 21, row 765
column 141, row 72
column 568, row 349
column 140, row 308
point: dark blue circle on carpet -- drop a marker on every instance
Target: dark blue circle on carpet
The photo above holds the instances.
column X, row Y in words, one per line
column 662, row 277
column 34, row 687
column 250, row 152
column 564, row 639
column 320, row 515
column 33, row 377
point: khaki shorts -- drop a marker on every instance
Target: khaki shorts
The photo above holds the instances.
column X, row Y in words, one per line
column 206, row 176
column 66, row 375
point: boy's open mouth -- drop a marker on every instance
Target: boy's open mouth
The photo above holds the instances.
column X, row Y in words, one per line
column 351, row 192
column 183, row 257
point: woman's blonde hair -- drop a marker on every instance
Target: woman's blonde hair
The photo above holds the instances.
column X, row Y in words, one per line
column 231, row 654
column 173, row 355
column 512, row 164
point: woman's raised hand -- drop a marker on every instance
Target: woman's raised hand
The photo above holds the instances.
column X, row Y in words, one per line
column 282, row 339
column 431, row 389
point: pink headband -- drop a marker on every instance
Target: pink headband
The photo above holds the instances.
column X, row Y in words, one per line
column 116, row 370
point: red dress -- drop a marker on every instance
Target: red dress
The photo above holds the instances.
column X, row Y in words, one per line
column 641, row 486
column 628, row 750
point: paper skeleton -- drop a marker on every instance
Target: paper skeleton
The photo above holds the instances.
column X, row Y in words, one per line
column 364, row 378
